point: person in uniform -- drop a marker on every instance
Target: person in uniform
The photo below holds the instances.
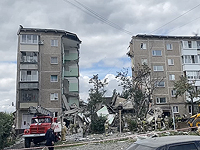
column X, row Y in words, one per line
column 63, row 132
column 139, row 125
column 166, row 120
column 158, row 121
column 50, row 137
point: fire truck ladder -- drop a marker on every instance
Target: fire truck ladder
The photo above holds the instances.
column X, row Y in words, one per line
column 40, row 111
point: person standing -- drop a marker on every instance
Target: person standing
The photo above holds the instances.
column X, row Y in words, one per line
column 50, row 137
column 64, row 132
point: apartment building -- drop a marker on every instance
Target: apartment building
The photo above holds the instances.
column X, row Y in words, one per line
column 47, row 72
column 168, row 57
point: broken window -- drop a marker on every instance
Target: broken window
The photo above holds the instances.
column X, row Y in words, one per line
column 143, row 46
column 190, row 109
column 30, row 57
column 54, row 96
column 198, row 45
column 29, row 95
column 144, row 61
column 195, row 59
column 189, row 44
column 173, row 93
column 175, row 109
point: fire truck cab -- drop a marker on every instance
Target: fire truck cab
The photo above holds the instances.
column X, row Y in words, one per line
column 39, row 126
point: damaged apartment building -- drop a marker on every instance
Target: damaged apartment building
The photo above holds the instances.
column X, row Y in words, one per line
column 168, row 57
column 47, row 72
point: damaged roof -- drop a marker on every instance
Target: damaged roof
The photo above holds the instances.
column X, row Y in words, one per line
column 67, row 34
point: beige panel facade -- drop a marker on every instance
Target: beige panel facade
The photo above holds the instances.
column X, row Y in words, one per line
column 27, row 105
column 43, row 54
column 166, row 52
column 29, row 47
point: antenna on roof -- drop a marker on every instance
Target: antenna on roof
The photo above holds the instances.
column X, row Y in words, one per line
column 21, row 26
column 196, row 33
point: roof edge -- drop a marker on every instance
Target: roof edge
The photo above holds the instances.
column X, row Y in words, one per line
column 165, row 36
column 65, row 33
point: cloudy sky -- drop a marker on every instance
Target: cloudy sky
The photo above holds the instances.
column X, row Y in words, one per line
column 105, row 28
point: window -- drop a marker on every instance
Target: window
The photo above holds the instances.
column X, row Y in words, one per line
column 144, row 61
column 158, row 68
column 169, row 46
column 189, row 44
column 29, row 95
column 198, row 45
column 173, row 93
column 193, row 75
column 171, row 77
column 191, row 59
column 195, row 59
column 29, row 57
column 28, row 75
column 188, row 59
column 54, row 78
column 175, row 109
column 160, row 100
column 157, row 53
column 54, row 96
column 160, row 84
column 170, row 61
column 188, row 146
column 54, row 60
column 190, row 109
column 29, row 39
column 54, row 42
column 143, row 46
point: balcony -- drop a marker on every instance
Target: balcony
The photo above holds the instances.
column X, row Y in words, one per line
column 191, row 67
column 29, row 85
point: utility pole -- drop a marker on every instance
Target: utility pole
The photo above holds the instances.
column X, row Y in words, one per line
column 120, row 107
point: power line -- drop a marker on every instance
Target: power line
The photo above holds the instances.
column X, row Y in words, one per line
column 184, row 24
column 98, row 17
column 101, row 18
column 175, row 18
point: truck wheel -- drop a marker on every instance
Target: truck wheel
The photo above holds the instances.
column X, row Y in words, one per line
column 196, row 122
column 27, row 142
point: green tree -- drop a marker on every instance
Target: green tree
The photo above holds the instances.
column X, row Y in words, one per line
column 96, row 94
column 183, row 86
column 97, row 125
column 6, row 122
column 139, row 88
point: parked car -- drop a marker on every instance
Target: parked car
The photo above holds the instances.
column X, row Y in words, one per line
column 181, row 142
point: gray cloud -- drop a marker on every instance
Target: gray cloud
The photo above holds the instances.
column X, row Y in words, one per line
column 102, row 46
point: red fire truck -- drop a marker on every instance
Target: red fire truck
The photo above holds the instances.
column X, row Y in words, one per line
column 39, row 126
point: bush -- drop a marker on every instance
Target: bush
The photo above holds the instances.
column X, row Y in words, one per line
column 132, row 124
column 6, row 122
column 97, row 124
